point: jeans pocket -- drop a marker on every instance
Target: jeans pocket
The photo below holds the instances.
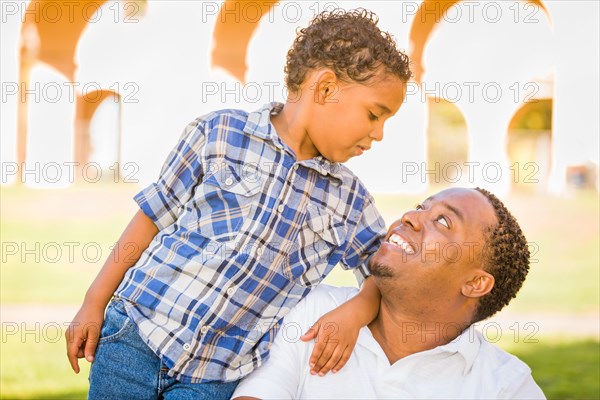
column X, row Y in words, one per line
column 116, row 322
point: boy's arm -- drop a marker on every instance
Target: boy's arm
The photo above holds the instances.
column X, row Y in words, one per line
column 135, row 239
column 84, row 331
column 365, row 305
column 336, row 332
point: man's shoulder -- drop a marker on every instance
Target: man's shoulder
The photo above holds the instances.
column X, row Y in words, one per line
column 500, row 363
column 321, row 300
column 501, row 357
column 333, row 294
column 326, row 296
column 506, row 374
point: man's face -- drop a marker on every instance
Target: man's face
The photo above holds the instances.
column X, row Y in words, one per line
column 433, row 250
column 352, row 117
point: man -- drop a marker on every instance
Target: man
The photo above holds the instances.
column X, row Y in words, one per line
column 456, row 259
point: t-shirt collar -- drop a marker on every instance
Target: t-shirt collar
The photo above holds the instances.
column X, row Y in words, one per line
column 467, row 344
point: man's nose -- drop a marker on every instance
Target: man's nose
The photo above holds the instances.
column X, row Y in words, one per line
column 412, row 219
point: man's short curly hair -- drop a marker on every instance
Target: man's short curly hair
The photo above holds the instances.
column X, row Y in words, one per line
column 348, row 42
column 505, row 256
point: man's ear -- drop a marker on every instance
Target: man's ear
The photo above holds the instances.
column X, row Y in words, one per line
column 479, row 285
column 326, row 86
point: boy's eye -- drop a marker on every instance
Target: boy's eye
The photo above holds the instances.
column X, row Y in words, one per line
column 442, row 220
column 373, row 117
column 418, row 207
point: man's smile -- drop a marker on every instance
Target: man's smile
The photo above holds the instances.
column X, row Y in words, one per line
column 401, row 242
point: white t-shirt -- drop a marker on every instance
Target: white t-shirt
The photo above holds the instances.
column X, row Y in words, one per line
column 469, row 367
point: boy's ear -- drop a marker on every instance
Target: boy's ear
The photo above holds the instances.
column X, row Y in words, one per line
column 480, row 284
column 325, row 86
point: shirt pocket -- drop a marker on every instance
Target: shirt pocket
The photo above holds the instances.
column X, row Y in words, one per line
column 222, row 203
column 315, row 255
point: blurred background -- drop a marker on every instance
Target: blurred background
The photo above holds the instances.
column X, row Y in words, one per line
column 95, row 94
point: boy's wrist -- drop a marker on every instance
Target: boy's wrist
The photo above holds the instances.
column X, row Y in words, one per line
column 361, row 309
column 365, row 306
column 94, row 300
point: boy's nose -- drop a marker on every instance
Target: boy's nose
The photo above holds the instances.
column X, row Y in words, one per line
column 377, row 133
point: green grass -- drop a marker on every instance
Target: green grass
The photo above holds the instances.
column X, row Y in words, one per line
column 563, row 368
column 36, row 367
column 53, row 262
column 565, row 232
column 54, row 242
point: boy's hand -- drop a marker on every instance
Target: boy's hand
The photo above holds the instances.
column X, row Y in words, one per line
column 83, row 334
column 335, row 335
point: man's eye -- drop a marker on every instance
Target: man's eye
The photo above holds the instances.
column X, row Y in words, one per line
column 373, row 117
column 442, row 220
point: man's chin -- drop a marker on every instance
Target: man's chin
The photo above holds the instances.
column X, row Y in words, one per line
column 380, row 270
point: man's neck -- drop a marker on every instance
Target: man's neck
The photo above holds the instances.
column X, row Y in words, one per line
column 401, row 335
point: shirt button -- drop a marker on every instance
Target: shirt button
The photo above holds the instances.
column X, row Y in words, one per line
column 230, row 291
column 204, row 329
column 281, row 208
column 229, row 181
column 187, row 347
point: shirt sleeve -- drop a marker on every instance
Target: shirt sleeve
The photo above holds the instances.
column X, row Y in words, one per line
column 370, row 232
column 161, row 201
column 280, row 375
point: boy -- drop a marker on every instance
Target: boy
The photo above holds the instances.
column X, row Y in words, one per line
column 251, row 211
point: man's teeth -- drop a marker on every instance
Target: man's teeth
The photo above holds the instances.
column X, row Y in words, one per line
column 397, row 240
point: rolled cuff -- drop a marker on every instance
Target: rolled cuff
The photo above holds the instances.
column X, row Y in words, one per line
column 153, row 202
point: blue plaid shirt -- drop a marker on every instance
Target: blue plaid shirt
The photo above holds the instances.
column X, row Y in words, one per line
column 246, row 231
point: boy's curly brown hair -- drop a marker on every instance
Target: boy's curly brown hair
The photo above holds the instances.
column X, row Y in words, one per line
column 506, row 257
column 348, row 42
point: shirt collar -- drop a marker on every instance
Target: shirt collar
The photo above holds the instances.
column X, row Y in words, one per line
column 259, row 124
column 324, row 167
column 467, row 345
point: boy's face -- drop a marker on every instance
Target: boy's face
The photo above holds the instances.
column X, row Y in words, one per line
column 347, row 117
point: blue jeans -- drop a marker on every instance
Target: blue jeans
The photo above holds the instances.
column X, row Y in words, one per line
column 126, row 368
